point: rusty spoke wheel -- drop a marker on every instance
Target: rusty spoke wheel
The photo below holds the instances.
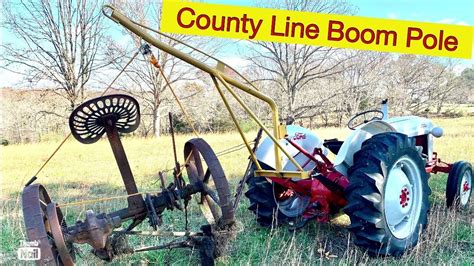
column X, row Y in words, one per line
column 204, row 167
column 57, row 224
column 44, row 223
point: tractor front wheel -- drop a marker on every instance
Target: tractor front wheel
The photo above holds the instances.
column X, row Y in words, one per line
column 459, row 185
column 387, row 195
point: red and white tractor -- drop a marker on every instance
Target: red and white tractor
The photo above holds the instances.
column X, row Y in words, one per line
column 379, row 178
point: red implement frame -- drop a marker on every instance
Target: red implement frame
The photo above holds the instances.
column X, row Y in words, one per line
column 325, row 187
column 436, row 165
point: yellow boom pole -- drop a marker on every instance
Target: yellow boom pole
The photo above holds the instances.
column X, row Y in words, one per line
column 279, row 131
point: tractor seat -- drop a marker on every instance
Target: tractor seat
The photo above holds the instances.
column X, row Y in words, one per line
column 333, row 145
column 88, row 121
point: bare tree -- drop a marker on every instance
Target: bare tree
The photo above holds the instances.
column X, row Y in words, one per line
column 55, row 41
column 417, row 83
column 467, row 80
column 448, row 86
column 360, row 83
column 293, row 68
column 143, row 80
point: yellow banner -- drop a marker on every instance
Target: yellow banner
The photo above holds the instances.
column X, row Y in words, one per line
column 275, row 25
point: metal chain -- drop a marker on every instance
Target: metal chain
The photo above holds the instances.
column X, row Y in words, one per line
column 186, row 215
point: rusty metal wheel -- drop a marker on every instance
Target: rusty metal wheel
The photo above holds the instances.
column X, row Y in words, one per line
column 57, row 224
column 215, row 201
column 41, row 228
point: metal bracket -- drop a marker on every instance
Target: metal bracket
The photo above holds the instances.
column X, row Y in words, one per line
column 281, row 174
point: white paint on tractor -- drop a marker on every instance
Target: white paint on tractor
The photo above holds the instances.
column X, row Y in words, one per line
column 353, row 143
column 304, row 137
column 411, row 126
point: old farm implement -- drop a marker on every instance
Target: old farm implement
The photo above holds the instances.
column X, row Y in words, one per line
column 379, row 177
column 113, row 115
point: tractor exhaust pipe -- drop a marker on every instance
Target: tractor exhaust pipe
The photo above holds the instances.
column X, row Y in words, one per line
column 384, row 109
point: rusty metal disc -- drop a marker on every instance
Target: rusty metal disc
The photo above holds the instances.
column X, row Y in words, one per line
column 216, row 200
column 57, row 223
column 34, row 201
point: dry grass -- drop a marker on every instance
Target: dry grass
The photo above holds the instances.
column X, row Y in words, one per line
column 80, row 172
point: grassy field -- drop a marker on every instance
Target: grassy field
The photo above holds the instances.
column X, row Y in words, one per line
column 83, row 172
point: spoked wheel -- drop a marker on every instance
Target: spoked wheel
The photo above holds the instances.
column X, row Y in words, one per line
column 204, row 167
column 57, row 224
column 44, row 223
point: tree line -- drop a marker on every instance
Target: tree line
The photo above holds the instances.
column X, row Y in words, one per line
column 66, row 52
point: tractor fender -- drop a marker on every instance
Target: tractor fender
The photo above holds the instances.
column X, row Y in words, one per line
column 414, row 126
column 304, row 137
column 353, row 143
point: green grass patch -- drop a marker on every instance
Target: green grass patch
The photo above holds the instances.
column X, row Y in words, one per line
column 82, row 172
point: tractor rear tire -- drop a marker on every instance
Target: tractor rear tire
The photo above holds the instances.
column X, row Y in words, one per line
column 262, row 201
column 388, row 195
column 267, row 202
column 459, row 185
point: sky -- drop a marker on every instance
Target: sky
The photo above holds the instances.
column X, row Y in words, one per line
column 438, row 11
column 441, row 11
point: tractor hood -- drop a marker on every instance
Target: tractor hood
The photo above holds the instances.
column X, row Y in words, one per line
column 411, row 125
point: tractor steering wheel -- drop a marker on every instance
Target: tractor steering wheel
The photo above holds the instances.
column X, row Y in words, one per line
column 371, row 114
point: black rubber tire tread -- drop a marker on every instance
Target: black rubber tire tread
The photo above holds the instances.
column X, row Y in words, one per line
column 454, row 184
column 34, row 217
column 367, row 179
column 262, row 201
